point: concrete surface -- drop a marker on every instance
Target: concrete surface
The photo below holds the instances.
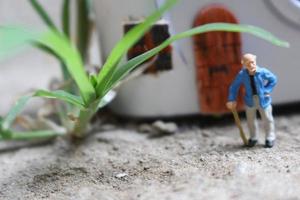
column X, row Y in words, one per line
column 121, row 163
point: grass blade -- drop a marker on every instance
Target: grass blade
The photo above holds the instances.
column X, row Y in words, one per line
column 29, row 135
column 43, row 14
column 125, row 43
column 66, row 17
column 61, row 95
column 72, row 59
column 45, row 17
column 65, row 74
column 89, row 4
column 13, row 39
column 122, row 71
column 14, row 112
column 47, row 50
column 83, row 27
column 20, row 104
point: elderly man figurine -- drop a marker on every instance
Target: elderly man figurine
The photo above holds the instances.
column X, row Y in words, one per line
column 259, row 83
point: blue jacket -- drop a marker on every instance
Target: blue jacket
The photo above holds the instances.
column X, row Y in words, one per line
column 264, row 81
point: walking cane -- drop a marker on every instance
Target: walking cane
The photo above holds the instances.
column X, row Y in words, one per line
column 238, row 123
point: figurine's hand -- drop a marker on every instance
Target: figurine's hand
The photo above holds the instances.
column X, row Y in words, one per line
column 231, row 105
column 267, row 94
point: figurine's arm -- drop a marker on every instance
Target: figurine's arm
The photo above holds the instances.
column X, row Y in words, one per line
column 271, row 81
column 233, row 91
column 234, row 87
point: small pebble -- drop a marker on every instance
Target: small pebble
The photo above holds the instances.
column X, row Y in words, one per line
column 164, row 127
column 121, row 175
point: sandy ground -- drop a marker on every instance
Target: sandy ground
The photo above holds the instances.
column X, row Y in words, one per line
column 120, row 162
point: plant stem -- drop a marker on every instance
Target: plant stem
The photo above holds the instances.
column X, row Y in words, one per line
column 83, row 27
column 65, row 17
column 81, row 126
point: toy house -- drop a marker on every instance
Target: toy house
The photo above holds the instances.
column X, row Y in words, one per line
column 193, row 75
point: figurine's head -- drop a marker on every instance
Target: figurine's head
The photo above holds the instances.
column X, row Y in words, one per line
column 249, row 61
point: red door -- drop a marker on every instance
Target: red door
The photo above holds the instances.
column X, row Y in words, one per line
column 217, row 59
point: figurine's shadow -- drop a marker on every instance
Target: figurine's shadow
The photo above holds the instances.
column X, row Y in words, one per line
column 240, row 147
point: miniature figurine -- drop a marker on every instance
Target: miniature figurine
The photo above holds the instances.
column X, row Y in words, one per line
column 259, row 83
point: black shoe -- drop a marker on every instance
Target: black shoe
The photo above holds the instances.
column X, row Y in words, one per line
column 251, row 143
column 269, row 143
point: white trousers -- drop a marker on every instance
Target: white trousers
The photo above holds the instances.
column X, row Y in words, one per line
column 267, row 118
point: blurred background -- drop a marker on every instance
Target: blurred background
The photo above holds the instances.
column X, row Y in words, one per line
column 146, row 96
column 33, row 68
column 27, row 70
